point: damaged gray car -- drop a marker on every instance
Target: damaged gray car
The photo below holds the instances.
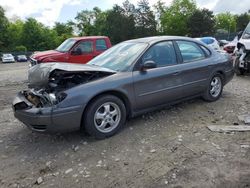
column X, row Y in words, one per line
column 129, row 79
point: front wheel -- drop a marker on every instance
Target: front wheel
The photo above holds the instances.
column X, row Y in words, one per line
column 104, row 116
column 214, row 89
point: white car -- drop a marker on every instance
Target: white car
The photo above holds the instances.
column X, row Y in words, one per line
column 8, row 58
column 210, row 41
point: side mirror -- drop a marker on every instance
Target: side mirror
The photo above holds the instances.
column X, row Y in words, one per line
column 77, row 51
column 148, row 65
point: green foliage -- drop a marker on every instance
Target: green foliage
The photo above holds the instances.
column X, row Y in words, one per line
column 63, row 29
column 15, row 31
column 117, row 31
column 241, row 21
column 4, row 23
column 32, row 35
column 226, row 21
column 201, row 23
column 20, row 48
column 145, row 20
column 174, row 20
column 120, row 23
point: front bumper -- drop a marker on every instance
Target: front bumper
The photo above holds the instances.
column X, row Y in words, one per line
column 48, row 119
column 8, row 60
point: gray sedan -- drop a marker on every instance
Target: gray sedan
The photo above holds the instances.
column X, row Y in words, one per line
column 129, row 79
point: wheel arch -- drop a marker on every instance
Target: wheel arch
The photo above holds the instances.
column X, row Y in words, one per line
column 222, row 73
column 239, row 45
column 116, row 93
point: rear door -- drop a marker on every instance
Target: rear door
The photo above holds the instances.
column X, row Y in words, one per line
column 195, row 66
column 161, row 84
column 100, row 46
column 87, row 49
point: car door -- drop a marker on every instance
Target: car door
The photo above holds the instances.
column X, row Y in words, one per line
column 100, row 46
column 195, row 67
column 161, row 84
column 87, row 52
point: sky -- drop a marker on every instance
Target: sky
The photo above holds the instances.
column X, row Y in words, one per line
column 50, row 11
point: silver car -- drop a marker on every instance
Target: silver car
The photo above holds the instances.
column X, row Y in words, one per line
column 131, row 78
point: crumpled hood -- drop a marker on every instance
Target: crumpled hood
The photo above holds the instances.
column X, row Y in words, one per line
column 38, row 75
column 45, row 54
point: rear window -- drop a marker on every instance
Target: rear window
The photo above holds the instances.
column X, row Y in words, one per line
column 101, row 45
column 190, row 51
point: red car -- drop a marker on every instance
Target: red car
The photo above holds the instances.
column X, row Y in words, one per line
column 229, row 48
column 74, row 50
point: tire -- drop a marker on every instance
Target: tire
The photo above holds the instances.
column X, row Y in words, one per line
column 211, row 95
column 104, row 117
column 238, row 70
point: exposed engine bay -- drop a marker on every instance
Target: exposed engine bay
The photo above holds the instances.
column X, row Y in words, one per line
column 48, row 81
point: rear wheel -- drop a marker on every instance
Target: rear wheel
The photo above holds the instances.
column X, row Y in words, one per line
column 238, row 70
column 214, row 89
column 105, row 116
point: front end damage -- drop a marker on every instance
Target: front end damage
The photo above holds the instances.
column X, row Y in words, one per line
column 38, row 107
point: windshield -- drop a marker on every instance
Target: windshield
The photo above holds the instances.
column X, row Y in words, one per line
column 66, row 45
column 246, row 34
column 7, row 55
column 120, row 57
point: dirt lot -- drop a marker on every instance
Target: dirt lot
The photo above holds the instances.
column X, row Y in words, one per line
column 168, row 148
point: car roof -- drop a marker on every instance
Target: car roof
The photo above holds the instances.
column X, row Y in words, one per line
column 155, row 39
column 89, row 37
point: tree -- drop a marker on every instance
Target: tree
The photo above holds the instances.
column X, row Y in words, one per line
column 241, row 21
column 226, row 21
column 145, row 20
column 63, row 31
column 20, row 48
column 116, row 25
column 36, row 36
column 84, row 22
column 201, row 23
column 15, row 31
column 174, row 20
column 99, row 22
column 120, row 22
column 160, row 9
column 4, row 23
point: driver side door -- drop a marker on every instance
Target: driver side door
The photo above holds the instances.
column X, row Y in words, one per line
column 158, row 85
column 87, row 52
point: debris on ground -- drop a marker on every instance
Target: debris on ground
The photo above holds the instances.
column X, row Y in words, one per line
column 39, row 180
column 228, row 128
column 244, row 118
column 245, row 146
column 152, row 151
column 75, row 148
column 68, row 171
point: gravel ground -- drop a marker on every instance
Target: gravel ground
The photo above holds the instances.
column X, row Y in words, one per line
column 168, row 148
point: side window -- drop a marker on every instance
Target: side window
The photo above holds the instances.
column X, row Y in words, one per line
column 100, row 45
column 163, row 54
column 190, row 51
column 207, row 51
column 86, row 46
